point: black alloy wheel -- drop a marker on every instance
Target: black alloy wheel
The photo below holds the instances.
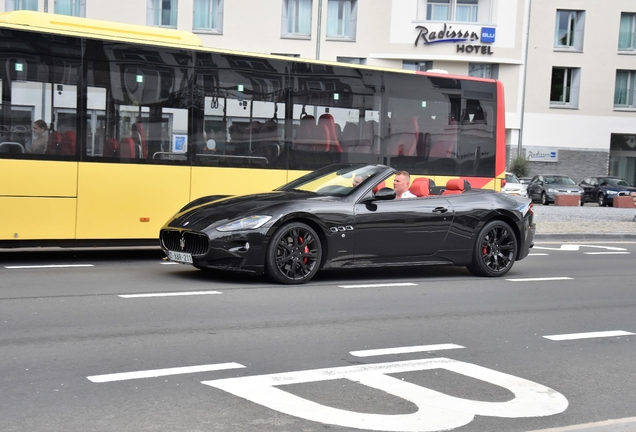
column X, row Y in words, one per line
column 495, row 250
column 293, row 254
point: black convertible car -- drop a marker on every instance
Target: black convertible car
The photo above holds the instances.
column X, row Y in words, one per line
column 322, row 220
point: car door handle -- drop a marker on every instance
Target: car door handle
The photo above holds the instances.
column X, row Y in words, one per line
column 440, row 210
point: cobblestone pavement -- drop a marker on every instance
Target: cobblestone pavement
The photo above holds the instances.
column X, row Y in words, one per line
column 586, row 221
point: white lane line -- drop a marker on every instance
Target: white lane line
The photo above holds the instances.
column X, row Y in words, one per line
column 169, row 263
column 162, row 372
column 49, row 266
column 404, row 350
column 589, row 335
column 539, row 279
column 378, row 285
column 174, row 294
column 606, row 253
column 538, row 254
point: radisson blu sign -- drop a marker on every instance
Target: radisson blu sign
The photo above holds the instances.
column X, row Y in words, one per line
column 468, row 41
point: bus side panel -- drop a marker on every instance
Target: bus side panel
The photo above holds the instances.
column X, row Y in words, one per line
column 33, row 178
column 37, row 218
column 234, row 181
column 128, row 201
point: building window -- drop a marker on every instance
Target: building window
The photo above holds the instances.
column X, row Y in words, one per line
column 627, row 32
column 208, row 15
column 296, row 18
column 564, row 90
column 341, row 18
column 71, row 7
column 450, row 10
column 568, row 33
column 483, row 70
column 417, row 65
column 624, row 89
column 352, row 60
column 162, row 13
column 11, row 5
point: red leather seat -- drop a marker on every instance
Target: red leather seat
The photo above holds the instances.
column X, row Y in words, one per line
column 55, row 143
column 378, row 187
column 420, row 187
column 455, row 186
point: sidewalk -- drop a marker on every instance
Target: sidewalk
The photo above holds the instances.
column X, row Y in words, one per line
column 587, row 223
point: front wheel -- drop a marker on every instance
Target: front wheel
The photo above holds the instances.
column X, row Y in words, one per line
column 495, row 250
column 544, row 199
column 602, row 202
column 293, row 254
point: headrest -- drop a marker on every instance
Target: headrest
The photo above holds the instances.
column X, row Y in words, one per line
column 420, row 187
column 378, row 187
column 457, row 184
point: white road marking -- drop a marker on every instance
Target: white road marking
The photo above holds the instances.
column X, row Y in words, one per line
column 597, row 426
column 539, row 279
column 575, row 247
column 539, row 254
column 162, row 372
column 589, row 335
column 174, row 294
column 168, row 263
column 49, row 266
column 606, row 253
column 435, row 410
column 378, row 285
column 404, row 350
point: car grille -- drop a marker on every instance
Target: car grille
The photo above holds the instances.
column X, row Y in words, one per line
column 192, row 242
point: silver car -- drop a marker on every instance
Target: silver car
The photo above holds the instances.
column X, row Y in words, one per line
column 514, row 186
column 545, row 187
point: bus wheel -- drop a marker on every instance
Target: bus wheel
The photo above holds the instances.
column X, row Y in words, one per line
column 293, row 254
column 495, row 250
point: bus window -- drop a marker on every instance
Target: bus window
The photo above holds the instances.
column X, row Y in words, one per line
column 39, row 77
column 243, row 112
column 333, row 118
column 137, row 107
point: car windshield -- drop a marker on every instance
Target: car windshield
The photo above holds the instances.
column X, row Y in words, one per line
column 613, row 182
column 559, row 180
column 511, row 178
column 335, row 180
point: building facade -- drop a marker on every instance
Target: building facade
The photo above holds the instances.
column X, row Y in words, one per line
column 568, row 66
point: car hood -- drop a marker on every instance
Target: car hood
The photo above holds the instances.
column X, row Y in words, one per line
column 619, row 188
column 227, row 209
column 563, row 186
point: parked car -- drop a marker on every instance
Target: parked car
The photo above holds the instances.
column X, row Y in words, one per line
column 525, row 180
column 514, row 187
column 544, row 187
column 603, row 189
column 325, row 220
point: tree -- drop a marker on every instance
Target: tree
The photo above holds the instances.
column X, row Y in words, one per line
column 519, row 166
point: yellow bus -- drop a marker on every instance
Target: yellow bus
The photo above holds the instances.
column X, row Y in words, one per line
column 107, row 129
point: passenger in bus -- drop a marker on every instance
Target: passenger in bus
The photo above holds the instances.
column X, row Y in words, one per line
column 401, row 184
column 40, row 137
column 210, row 142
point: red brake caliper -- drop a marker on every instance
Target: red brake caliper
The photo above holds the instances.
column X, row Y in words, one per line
column 306, row 250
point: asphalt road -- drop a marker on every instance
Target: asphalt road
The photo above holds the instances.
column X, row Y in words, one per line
column 101, row 342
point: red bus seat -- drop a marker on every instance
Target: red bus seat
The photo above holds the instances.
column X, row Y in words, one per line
column 69, row 143
column 111, row 148
column 127, row 148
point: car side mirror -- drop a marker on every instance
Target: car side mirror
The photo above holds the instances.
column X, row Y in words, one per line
column 385, row 194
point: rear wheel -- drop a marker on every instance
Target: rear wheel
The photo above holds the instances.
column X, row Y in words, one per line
column 495, row 250
column 293, row 254
column 544, row 199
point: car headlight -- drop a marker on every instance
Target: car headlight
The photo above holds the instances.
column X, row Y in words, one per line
column 612, row 192
column 246, row 223
column 550, row 190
